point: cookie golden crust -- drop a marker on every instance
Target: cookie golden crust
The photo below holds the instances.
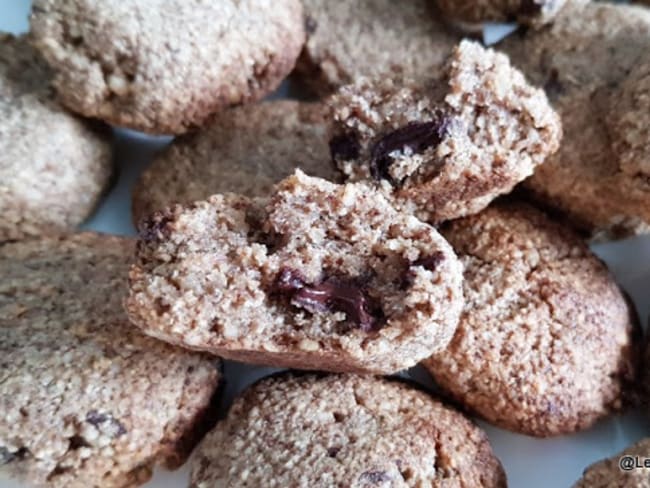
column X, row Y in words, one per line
column 165, row 66
column 306, row 431
column 446, row 148
column 86, row 399
column 245, row 150
column 593, row 62
column 547, row 343
column 609, row 474
column 53, row 166
column 349, row 39
column 319, row 276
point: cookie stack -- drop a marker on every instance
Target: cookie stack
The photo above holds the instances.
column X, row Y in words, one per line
column 376, row 228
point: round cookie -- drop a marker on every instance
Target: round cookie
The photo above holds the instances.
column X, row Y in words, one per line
column 529, row 12
column 349, row 39
column 447, row 148
column 53, row 166
column 305, row 431
column 547, row 343
column 246, row 150
column 591, row 62
column 320, row 276
column 617, row 471
column 86, row 399
column 166, row 66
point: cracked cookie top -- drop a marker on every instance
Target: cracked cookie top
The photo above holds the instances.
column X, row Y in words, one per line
column 86, row 399
column 547, row 343
column 163, row 66
column 360, row 432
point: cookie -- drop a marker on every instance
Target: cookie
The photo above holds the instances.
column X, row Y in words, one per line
column 166, row 67
column 447, row 148
column 86, row 399
column 529, row 12
column 617, row 471
column 319, row 276
column 593, row 62
column 547, row 343
column 53, row 166
column 357, row 38
column 305, row 431
column 246, row 150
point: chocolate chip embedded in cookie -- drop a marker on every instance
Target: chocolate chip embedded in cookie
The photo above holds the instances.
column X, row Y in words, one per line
column 547, row 343
column 353, row 38
column 620, row 470
column 86, row 399
column 166, row 67
column 320, row 276
column 362, row 432
column 53, row 166
column 245, row 150
column 445, row 149
column 529, row 12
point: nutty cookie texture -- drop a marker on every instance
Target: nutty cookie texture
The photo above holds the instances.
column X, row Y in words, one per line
column 361, row 432
column 320, row 276
column 530, row 12
column 349, row 39
column 608, row 473
column 86, row 399
column 446, row 148
column 53, row 166
column 245, row 150
column 547, row 343
column 165, row 66
column 594, row 63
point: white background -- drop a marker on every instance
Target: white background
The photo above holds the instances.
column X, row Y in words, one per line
column 529, row 462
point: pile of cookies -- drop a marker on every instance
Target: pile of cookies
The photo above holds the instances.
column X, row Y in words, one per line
column 429, row 205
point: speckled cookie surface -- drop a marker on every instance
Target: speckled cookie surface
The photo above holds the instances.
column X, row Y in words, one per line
column 246, row 150
column 608, row 473
column 164, row 66
column 529, row 12
column 447, row 148
column 593, row 62
column 320, row 276
column 352, row 38
column 547, row 343
column 53, row 167
column 351, row 431
column 86, row 399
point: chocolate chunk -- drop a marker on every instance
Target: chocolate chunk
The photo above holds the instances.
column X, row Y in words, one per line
column 310, row 25
column 331, row 295
column 375, row 477
column 416, row 136
column 106, row 423
column 430, row 262
column 344, row 147
column 155, row 228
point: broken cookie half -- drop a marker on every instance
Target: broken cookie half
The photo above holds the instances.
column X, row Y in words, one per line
column 445, row 149
column 318, row 276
